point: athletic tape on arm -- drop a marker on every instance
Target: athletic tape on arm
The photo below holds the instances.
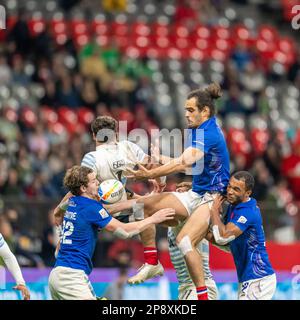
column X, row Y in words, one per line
column 121, row 233
column 220, row 240
column 138, row 211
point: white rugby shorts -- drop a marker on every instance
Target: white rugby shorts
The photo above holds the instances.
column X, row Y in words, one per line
column 258, row 289
column 192, row 200
column 70, row 284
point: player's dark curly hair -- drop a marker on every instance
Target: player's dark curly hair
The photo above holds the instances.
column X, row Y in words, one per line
column 246, row 177
column 205, row 97
column 104, row 128
column 76, row 177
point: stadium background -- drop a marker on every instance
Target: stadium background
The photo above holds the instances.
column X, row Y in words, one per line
column 64, row 62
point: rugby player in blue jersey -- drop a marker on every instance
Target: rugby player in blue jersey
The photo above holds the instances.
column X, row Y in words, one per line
column 243, row 231
column 83, row 218
column 206, row 153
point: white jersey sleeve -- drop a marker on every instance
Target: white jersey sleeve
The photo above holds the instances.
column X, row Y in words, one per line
column 138, row 155
column 1, row 240
column 89, row 160
column 10, row 261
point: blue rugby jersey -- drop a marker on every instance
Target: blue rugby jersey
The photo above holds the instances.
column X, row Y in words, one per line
column 249, row 250
column 211, row 173
column 82, row 220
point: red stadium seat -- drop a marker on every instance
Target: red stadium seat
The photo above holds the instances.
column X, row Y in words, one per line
column 58, row 26
column 237, row 140
column 221, row 33
column 36, row 26
column 57, row 128
column 202, row 32
column 81, row 40
column 119, row 29
column 141, row 41
column 162, row 42
column 242, row 33
column 48, row 115
column 100, row 28
column 79, row 27
column 259, row 140
column 140, row 29
column 122, row 41
column 159, row 29
column 85, row 116
column 197, row 54
column 67, row 116
column 102, row 40
column 180, row 31
column 201, row 44
column 11, row 114
column 218, row 55
column 28, row 117
column 267, row 33
column 135, row 52
column 286, row 44
column 59, row 29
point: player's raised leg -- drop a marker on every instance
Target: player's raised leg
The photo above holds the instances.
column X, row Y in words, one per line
column 149, row 206
column 188, row 239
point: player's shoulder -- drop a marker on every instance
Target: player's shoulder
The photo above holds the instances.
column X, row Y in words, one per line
column 249, row 210
column 90, row 155
column 89, row 159
column 96, row 210
column 126, row 144
column 1, row 240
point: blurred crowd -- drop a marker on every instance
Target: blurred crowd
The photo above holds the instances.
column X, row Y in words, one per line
column 93, row 80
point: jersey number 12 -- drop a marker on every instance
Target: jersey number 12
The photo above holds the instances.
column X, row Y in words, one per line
column 68, row 229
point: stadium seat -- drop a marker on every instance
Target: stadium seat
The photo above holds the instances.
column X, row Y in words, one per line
column 28, row 117
column 267, row 33
column 48, row 115
column 36, row 26
column 259, row 134
column 140, row 29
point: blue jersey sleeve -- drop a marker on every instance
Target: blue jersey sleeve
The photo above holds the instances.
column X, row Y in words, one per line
column 242, row 218
column 98, row 216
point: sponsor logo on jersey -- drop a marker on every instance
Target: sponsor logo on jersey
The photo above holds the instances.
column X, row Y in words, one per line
column 71, row 203
column 103, row 213
column 118, row 164
column 242, row 219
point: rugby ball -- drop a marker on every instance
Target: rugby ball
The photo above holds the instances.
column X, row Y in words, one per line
column 111, row 191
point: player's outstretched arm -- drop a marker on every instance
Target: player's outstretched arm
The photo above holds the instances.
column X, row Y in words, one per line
column 119, row 206
column 14, row 268
column 128, row 230
column 186, row 160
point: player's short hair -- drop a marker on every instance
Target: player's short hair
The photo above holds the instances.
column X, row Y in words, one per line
column 104, row 128
column 205, row 97
column 246, row 177
column 76, row 177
